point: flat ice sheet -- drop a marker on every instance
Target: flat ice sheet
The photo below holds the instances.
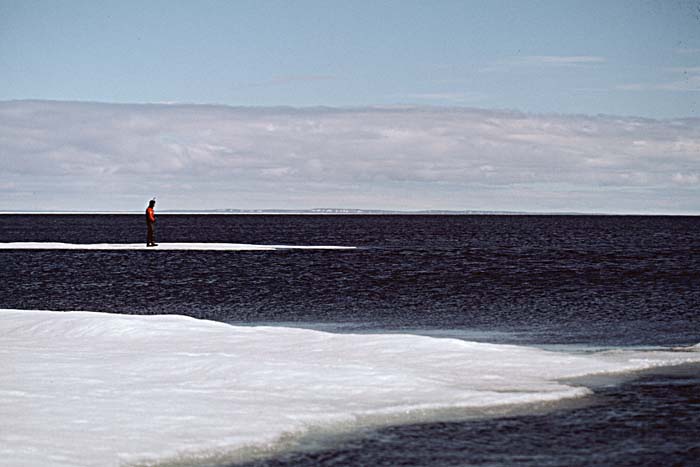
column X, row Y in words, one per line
column 163, row 246
column 94, row 389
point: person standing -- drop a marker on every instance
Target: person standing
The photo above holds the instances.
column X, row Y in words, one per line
column 151, row 224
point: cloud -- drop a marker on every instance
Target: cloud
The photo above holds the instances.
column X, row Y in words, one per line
column 687, row 51
column 448, row 97
column 59, row 155
column 540, row 61
column 562, row 60
column 686, row 79
column 686, row 179
column 290, row 79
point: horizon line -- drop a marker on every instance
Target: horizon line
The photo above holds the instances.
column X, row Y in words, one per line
column 345, row 212
column 376, row 107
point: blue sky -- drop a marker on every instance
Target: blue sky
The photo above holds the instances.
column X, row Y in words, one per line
column 637, row 58
column 588, row 106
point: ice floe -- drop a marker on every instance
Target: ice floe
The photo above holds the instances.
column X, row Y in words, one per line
column 96, row 389
column 163, row 246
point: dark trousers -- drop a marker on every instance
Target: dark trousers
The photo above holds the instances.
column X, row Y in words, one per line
column 151, row 236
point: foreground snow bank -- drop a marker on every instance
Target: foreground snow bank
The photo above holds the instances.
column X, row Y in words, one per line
column 162, row 246
column 94, row 389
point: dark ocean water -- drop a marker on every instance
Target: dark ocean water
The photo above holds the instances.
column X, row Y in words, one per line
column 539, row 279
column 536, row 280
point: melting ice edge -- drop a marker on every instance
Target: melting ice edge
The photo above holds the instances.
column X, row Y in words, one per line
column 89, row 389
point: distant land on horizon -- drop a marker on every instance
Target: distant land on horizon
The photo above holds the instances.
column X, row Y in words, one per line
column 364, row 211
column 348, row 211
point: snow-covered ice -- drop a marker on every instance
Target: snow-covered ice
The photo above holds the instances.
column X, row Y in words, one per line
column 95, row 389
column 162, row 246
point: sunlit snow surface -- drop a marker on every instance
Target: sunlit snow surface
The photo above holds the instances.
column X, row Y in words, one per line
column 94, row 389
column 161, row 246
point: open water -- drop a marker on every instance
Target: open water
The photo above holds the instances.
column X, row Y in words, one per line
column 562, row 282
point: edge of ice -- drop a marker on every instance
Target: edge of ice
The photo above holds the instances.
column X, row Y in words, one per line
column 89, row 389
column 163, row 246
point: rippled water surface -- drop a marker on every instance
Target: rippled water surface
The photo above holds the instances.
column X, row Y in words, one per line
column 541, row 279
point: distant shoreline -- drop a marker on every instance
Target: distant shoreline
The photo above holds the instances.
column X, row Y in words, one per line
column 343, row 212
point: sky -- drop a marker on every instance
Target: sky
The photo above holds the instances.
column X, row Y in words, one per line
column 588, row 106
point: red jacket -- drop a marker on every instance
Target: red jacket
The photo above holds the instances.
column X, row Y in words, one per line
column 150, row 216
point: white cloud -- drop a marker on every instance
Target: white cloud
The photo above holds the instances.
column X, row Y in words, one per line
column 539, row 61
column 686, row 79
column 289, row 79
column 687, row 51
column 449, row 97
column 563, row 59
column 686, row 179
column 406, row 157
